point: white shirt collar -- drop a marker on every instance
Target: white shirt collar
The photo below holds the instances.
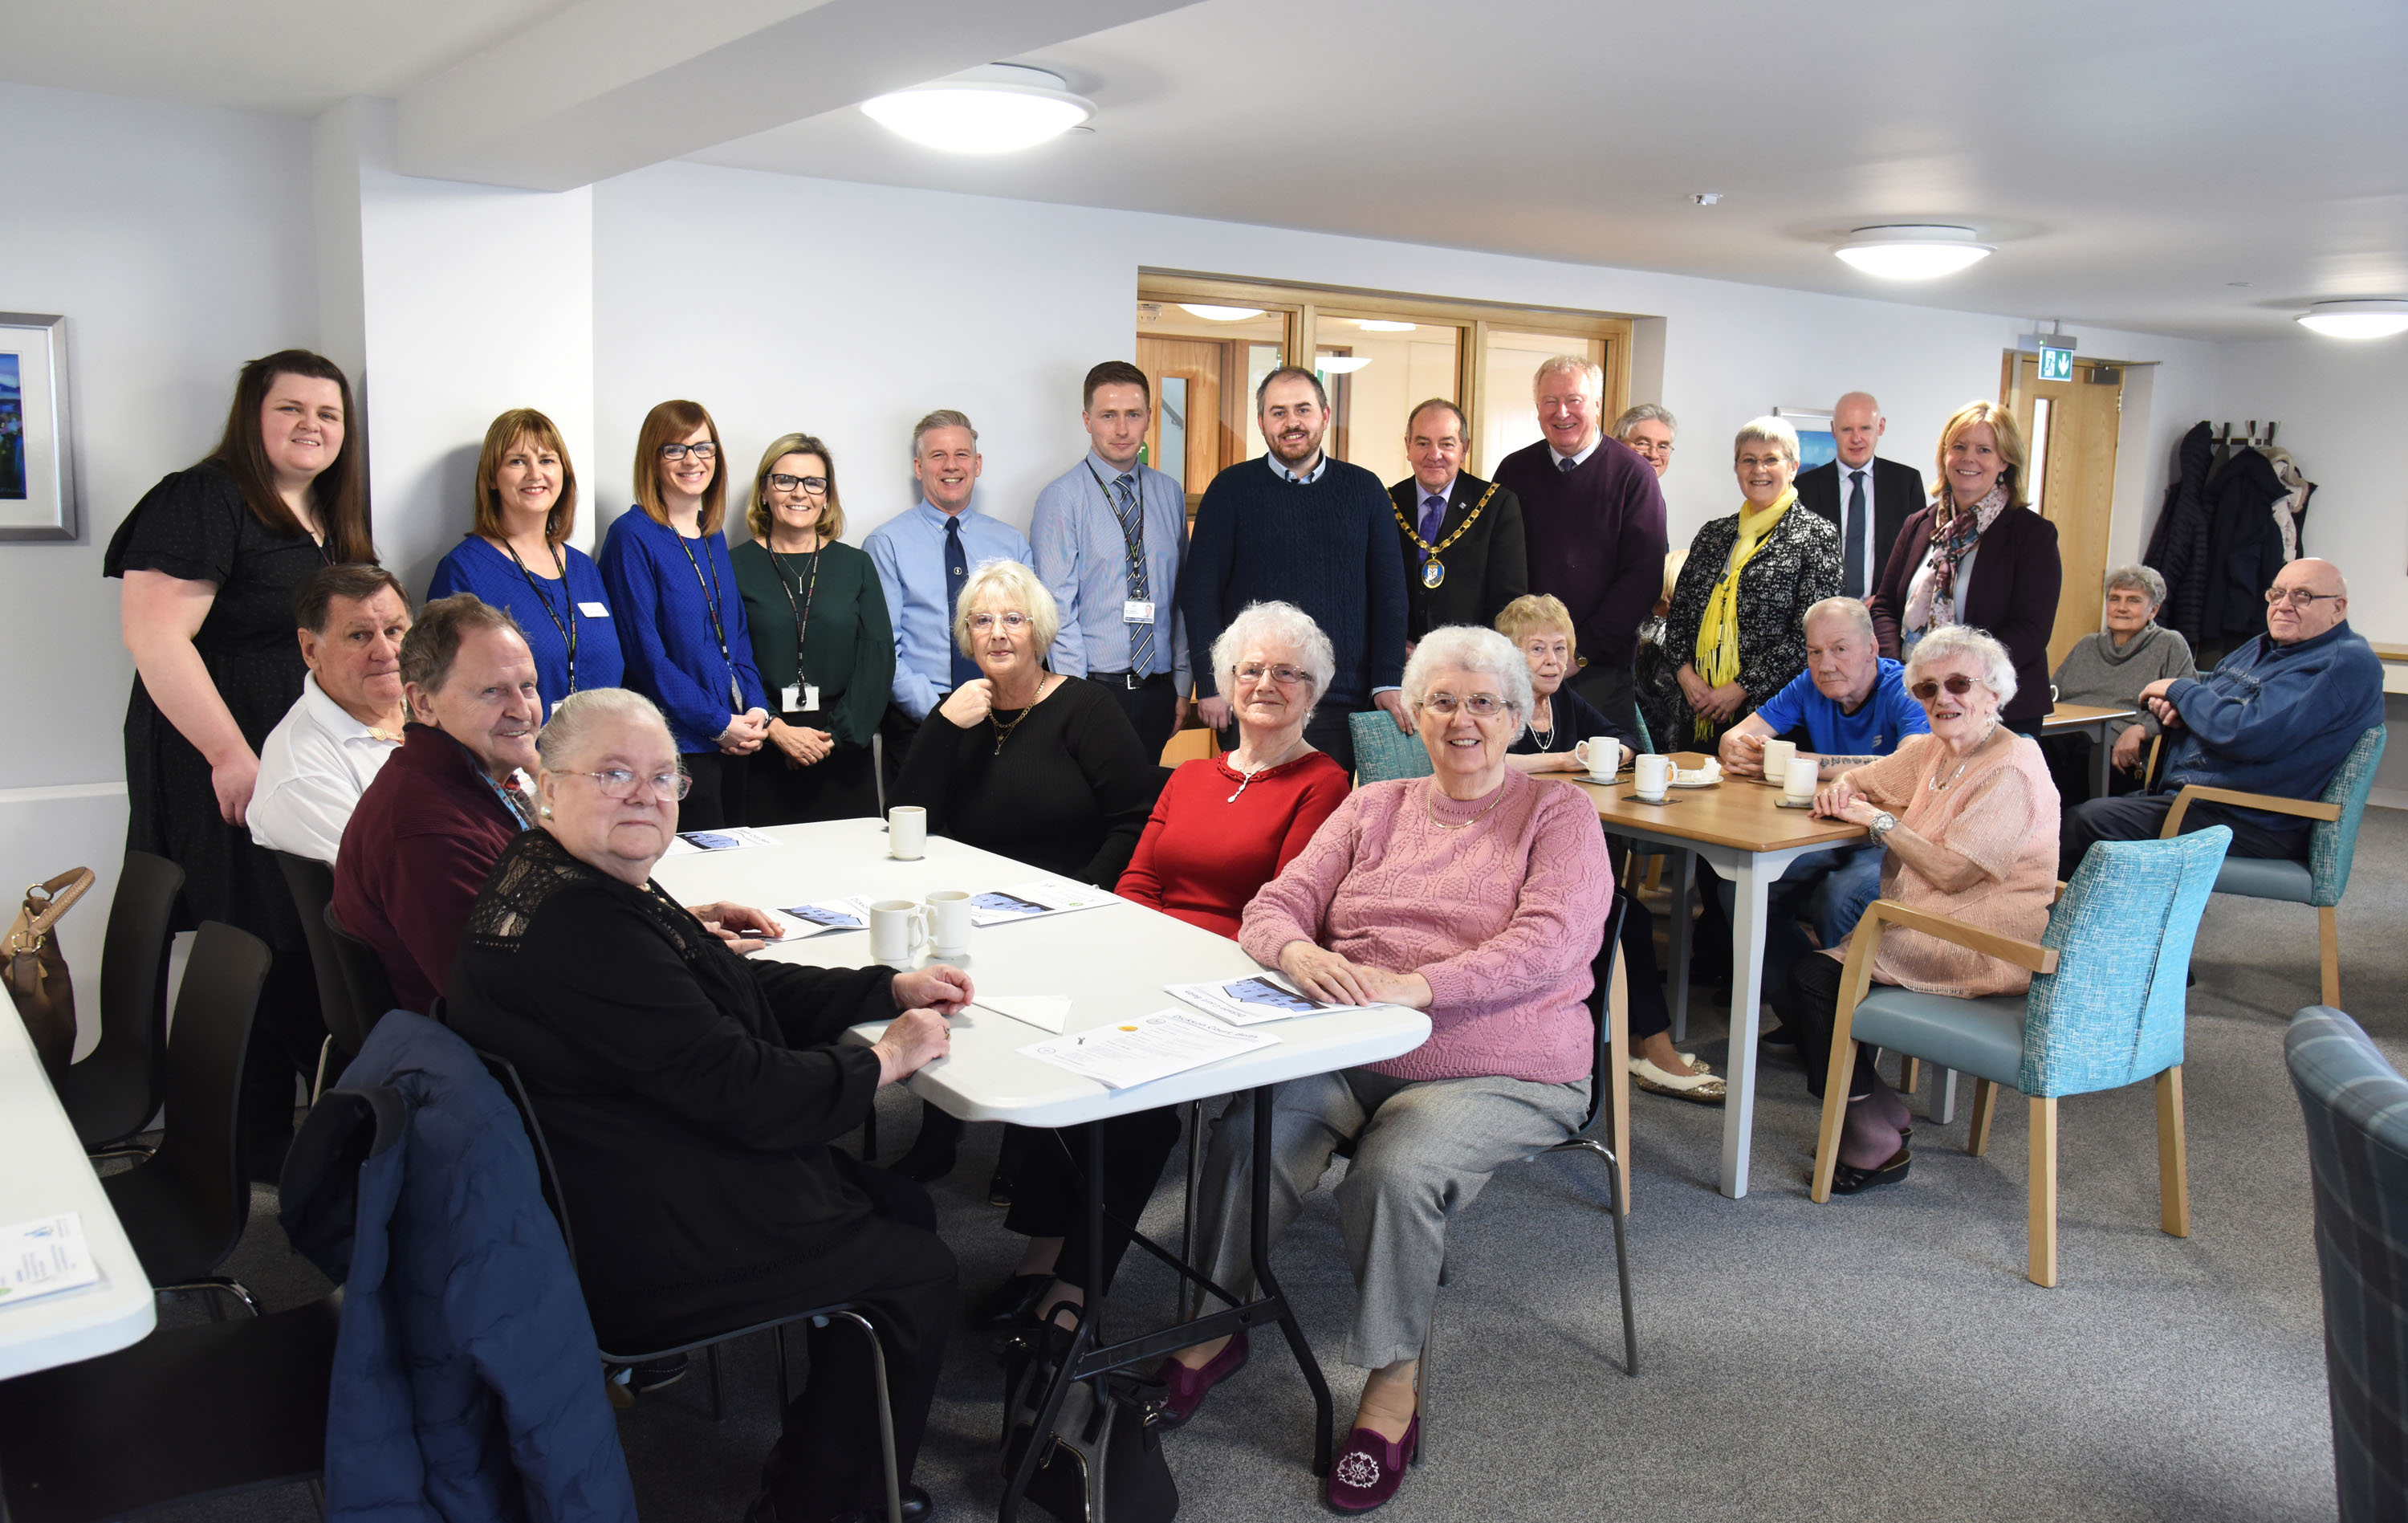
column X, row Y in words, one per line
column 333, row 717
column 1576, row 459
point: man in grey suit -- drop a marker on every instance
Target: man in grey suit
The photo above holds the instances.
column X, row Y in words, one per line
column 1867, row 499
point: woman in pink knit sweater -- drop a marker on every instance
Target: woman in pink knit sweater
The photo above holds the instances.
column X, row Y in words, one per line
column 1479, row 895
column 1970, row 818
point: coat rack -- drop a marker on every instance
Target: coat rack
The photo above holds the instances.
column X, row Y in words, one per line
column 2251, row 440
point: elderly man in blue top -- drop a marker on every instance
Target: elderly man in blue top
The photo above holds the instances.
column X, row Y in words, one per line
column 1852, row 705
column 1111, row 536
column 2277, row 716
column 924, row 556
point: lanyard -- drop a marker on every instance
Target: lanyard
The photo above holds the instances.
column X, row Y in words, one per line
column 802, row 614
column 510, row 798
column 1132, row 535
column 567, row 631
column 710, row 602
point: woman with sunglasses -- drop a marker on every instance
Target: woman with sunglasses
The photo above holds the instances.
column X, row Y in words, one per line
column 1969, row 818
column 821, row 640
column 681, row 618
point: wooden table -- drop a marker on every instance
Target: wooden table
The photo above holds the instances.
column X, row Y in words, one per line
column 2084, row 719
column 1739, row 826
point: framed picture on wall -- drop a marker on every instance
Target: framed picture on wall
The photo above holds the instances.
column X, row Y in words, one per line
column 37, row 496
column 1815, row 446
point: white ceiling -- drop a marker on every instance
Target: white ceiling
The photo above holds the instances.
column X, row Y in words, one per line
column 2132, row 160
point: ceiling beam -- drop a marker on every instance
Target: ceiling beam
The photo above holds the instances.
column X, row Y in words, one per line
column 609, row 86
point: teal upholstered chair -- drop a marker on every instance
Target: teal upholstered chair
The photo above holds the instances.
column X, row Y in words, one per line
column 1383, row 752
column 2105, row 1008
column 2332, row 841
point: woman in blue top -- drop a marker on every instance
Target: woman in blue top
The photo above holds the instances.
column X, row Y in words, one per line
column 681, row 618
column 519, row 558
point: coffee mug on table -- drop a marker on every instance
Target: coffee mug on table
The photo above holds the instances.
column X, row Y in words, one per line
column 897, row 929
column 906, row 832
column 1654, row 775
column 948, row 923
column 1601, row 755
column 1797, row 783
column 1777, row 755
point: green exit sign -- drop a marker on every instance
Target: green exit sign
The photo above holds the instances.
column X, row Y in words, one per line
column 2056, row 364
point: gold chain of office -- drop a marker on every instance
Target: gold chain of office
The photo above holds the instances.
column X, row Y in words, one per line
column 1434, row 569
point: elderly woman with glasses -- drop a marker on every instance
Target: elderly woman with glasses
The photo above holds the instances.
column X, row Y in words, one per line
column 690, row 1098
column 1969, row 819
column 2108, row 670
column 1477, row 894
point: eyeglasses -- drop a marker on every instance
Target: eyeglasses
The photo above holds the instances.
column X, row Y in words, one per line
column 1479, row 706
column 815, row 485
column 701, row 451
column 619, row 784
column 1012, row 623
column 1254, row 671
column 2276, row 596
column 1957, row 683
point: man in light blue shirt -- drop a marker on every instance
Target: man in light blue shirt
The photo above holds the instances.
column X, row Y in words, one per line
column 1111, row 536
column 924, row 556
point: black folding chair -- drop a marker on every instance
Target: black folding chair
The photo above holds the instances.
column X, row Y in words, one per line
column 312, row 884
column 114, row 1092
column 369, row 986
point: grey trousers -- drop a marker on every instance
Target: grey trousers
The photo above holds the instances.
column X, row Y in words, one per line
column 1422, row 1150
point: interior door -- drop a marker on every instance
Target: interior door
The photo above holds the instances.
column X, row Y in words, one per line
column 1198, row 362
column 2069, row 428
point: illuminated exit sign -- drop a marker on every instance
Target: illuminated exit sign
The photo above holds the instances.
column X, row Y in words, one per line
column 2056, row 364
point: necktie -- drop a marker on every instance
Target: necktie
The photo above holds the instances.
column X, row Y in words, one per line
column 957, row 576
column 1132, row 516
column 1433, row 514
column 1852, row 577
column 1565, row 464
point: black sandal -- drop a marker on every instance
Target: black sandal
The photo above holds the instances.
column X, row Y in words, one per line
column 1847, row 1179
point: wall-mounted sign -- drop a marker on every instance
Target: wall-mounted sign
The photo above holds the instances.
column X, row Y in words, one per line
column 2056, row 364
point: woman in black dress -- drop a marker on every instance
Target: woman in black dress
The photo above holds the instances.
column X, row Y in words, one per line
column 210, row 557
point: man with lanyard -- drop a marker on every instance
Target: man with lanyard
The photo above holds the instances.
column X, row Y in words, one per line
column 924, row 556
column 1110, row 538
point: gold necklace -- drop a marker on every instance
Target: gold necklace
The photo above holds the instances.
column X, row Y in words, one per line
column 1002, row 730
column 1434, row 569
column 1431, row 810
column 1246, row 778
column 1937, row 786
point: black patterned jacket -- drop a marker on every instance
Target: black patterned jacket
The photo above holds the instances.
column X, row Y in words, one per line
column 1796, row 566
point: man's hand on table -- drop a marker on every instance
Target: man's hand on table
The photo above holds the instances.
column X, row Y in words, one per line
column 913, row 1039
column 939, row 988
column 742, row 927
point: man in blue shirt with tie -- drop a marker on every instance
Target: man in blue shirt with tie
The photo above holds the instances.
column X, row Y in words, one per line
column 924, row 556
column 1111, row 536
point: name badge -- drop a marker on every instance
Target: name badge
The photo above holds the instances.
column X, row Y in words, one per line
column 595, row 610
column 800, row 697
column 1136, row 610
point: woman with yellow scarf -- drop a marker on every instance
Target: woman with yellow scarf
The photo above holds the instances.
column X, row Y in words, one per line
column 1738, row 613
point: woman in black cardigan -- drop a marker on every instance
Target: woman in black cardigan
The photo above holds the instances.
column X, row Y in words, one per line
column 1737, row 624
column 690, row 1097
column 1979, row 557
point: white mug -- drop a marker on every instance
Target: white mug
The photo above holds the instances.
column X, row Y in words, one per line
column 948, row 923
column 1601, row 755
column 1797, row 783
column 1777, row 757
column 906, row 832
column 897, row 929
column 1653, row 774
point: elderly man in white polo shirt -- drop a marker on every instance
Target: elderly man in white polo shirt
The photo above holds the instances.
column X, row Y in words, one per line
column 335, row 738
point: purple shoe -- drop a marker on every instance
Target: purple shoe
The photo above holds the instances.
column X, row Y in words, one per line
column 1184, row 1388
column 1368, row 1469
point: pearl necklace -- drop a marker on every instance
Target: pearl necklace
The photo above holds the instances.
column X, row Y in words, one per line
column 1972, row 751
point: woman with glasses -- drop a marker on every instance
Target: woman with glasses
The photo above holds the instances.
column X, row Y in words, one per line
column 2109, row 670
column 1969, row 817
column 1479, row 895
column 683, row 626
column 690, row 1097
column 821, row 640
column 1980, row 557
column 518, row 557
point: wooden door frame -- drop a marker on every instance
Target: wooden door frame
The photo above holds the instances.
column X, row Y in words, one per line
column 2010, row 383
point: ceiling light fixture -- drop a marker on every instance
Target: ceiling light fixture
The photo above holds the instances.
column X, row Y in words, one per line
column 993, row 109
column 1219, row 315
column 1911, row 252
column 2356, row 319
column 1382, row 324
column 1341, row 365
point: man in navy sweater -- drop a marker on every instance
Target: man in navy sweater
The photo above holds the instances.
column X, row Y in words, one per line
column 1297, row 526
column 2277, row 716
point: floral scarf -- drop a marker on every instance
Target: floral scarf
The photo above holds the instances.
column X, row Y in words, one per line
column 1931, row 597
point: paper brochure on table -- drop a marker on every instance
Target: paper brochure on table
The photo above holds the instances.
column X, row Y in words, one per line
column 1034, row 900
column 822, row 916
column 42, row 1257
column 731, row 839
column 1045, row 1011
column 1250, row 1001
column 1130, row 1052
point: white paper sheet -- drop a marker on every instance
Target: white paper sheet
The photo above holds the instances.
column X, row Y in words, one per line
column 1045, row 1011
column 1249, row 1002
column 1155, row 1046
column 732, row 839
column 800, row 921
column 42, row 1257
column 1035, row 900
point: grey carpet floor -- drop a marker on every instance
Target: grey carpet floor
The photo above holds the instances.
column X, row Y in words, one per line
column 1874, row 1359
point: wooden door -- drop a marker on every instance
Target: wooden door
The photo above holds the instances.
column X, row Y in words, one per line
column 2069, row 428
column 1201, row 363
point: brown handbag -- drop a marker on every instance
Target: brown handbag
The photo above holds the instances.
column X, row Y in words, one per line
column 36, row 971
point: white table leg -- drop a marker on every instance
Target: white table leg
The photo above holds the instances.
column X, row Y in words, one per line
column 1753, row 877
column 1677, row 878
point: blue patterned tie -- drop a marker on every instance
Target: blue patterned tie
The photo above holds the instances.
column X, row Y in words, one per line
column 957, row 576
column 1567, row 464
column 1132, row 516
column 1433, row 514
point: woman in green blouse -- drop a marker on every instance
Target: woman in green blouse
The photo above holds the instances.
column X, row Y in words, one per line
column 821, row 637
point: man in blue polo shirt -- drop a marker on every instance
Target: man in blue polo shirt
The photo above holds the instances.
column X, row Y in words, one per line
column 1852, row 703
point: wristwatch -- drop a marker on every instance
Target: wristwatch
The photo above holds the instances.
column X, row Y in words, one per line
column 1883, row 825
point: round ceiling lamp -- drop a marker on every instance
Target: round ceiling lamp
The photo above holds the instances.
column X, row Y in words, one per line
column 2356, row 319
column 1341, row 365
column 1211, row 313
column 1912, row 251
column 994, row 109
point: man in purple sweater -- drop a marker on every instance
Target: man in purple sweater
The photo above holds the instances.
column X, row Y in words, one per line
column 1593, row 520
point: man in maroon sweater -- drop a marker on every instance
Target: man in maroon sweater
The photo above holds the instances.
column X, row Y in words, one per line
column 1592, row 521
